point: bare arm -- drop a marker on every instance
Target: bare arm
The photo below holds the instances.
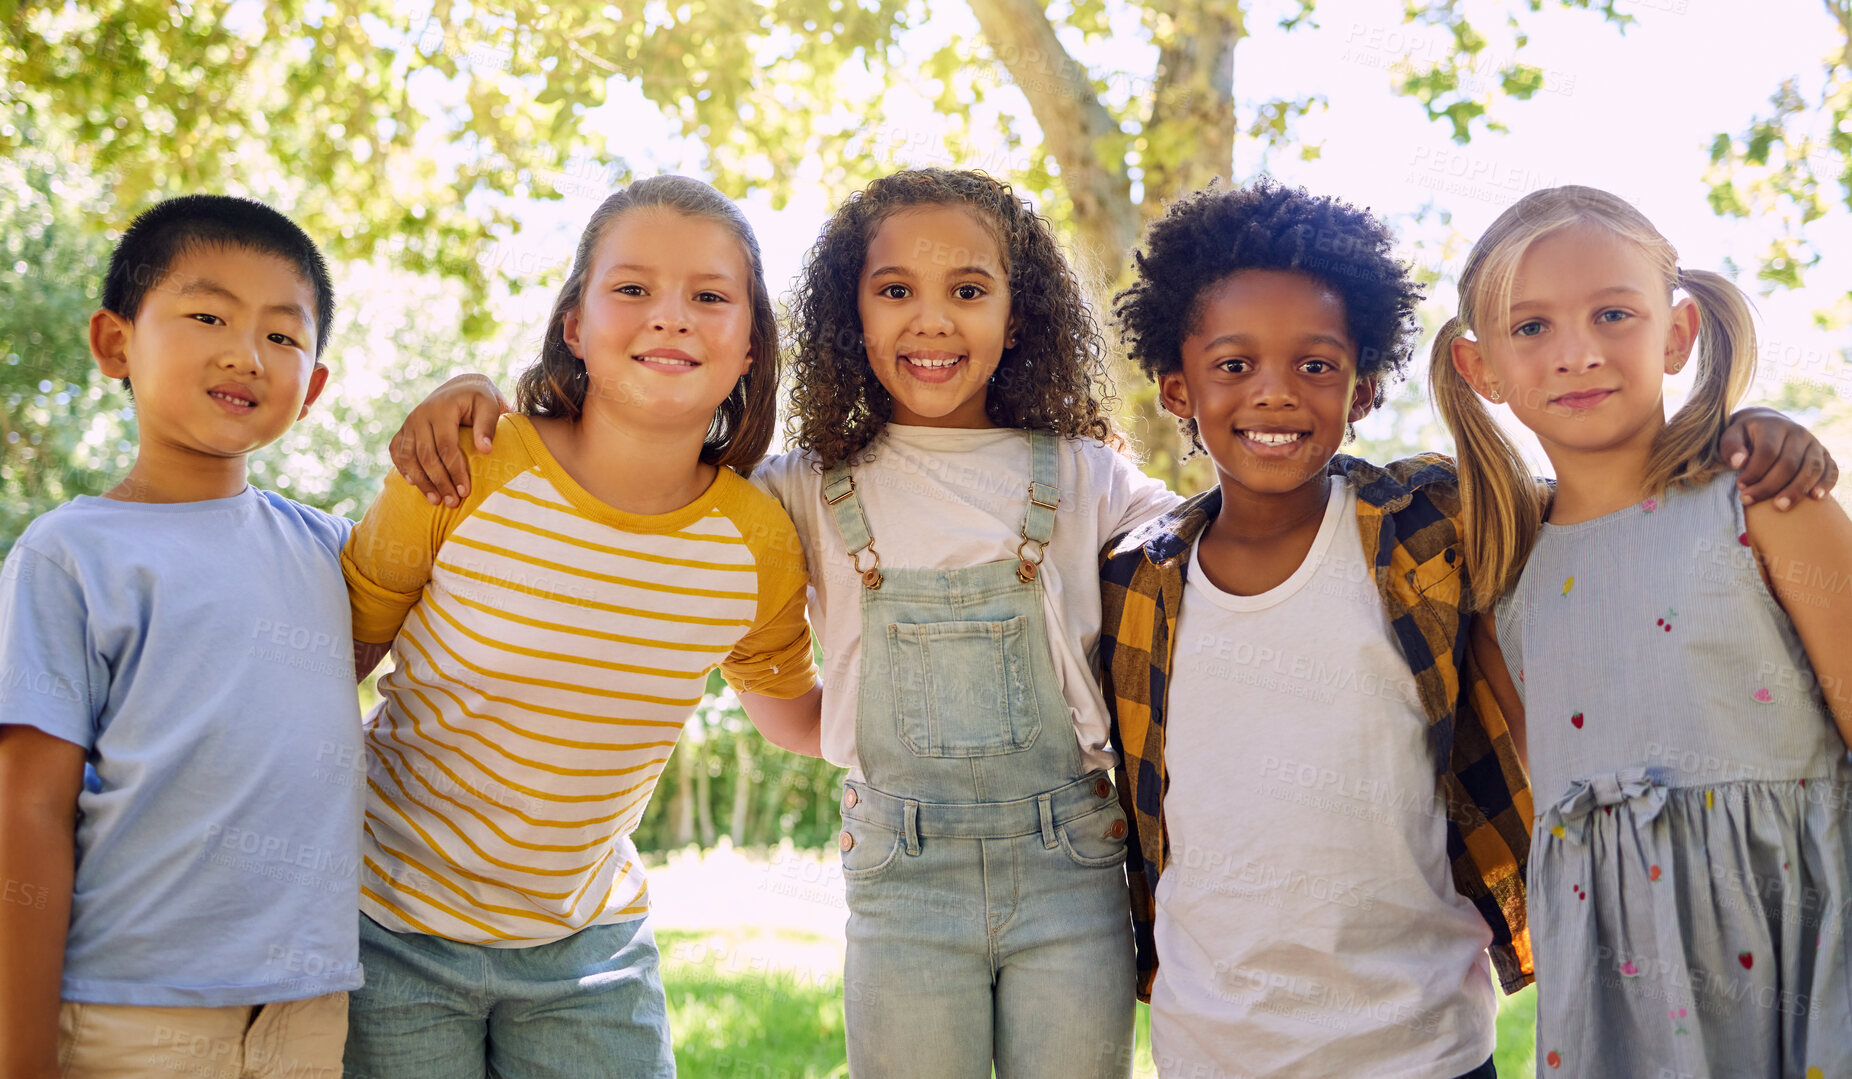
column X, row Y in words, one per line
column 425, row 449
column 1491, row 661
column 367, row 657
column 1781, row 462
column 40, row 779
column 1807, row 560
column 795, row 724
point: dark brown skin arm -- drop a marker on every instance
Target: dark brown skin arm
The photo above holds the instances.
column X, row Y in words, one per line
column 1491, row 661
column 1781, row 461
column 40, row 779
column 367, row 657
column 425, row 449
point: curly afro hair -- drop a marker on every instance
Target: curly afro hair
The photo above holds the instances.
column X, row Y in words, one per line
column 1208, row 235
column 1054, row 379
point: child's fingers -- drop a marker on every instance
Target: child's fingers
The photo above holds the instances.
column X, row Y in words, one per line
column 486, row 416
column 1806, row 479
column 1763, row 473
column 1829, row 480
column 450, row 455
column 438, row 478
column 404, row 451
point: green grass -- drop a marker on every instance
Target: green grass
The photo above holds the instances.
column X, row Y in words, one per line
column 750, row 1004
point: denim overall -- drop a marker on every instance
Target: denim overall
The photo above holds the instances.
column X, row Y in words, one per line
column 989, row 918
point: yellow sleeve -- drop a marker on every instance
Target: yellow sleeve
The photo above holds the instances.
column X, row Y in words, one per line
column 774, row 658
column 389, row 554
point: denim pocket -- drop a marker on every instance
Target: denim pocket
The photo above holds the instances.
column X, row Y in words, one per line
column 963, row 689
column 1096, row 840
column 871, row 849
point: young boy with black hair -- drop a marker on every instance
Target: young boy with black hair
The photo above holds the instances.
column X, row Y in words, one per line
column 1329, row 813
column 186, row 636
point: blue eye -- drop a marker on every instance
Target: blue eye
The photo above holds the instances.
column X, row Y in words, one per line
column 1617, row 313
column 1527, row 329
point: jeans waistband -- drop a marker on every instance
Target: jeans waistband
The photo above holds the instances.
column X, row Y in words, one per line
column 978, row 820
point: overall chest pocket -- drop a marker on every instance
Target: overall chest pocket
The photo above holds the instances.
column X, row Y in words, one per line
column 963, row 689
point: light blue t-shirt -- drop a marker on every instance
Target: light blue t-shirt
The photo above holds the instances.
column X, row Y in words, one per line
column 202, row 653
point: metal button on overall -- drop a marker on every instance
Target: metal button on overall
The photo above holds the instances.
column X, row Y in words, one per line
column 1102, row 788
column 846, row 842
column 849, row 798
column 1117, row 831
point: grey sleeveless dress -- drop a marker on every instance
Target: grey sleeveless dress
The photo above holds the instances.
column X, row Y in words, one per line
column 1691, row 867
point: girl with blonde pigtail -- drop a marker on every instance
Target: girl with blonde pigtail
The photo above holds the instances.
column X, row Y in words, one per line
column 1680, row 659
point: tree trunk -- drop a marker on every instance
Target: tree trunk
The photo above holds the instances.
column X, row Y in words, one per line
column 1193, row 102
column 742, row 788
column 681, row 811
column 704, row 811
column 777, row 781
column 1074, row 125
column 1189, row 138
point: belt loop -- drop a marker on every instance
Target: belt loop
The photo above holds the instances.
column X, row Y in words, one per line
column 910, row 827
column 1044, row 806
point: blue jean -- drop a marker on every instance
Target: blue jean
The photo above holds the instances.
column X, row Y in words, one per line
column 967, row 950
column 590, row 1005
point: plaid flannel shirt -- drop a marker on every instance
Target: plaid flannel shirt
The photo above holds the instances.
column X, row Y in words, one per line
column 1409, row 516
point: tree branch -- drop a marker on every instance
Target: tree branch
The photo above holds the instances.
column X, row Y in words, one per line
column 1191, row 133
column 1074, row 124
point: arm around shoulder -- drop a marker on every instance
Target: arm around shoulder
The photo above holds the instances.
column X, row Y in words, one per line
column 389, row 555
column 1490, row 660
column 773, row 667
column 1806, row 557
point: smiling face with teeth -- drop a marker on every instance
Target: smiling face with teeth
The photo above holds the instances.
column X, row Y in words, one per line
column 222, row 358
column 664, row 328
column 1269, row 374
column 934, row 301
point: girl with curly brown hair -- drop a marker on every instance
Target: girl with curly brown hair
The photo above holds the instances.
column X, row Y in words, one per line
column 953, row 477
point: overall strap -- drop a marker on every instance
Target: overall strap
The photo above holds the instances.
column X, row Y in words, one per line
column 851, row 523
column 1038, row 521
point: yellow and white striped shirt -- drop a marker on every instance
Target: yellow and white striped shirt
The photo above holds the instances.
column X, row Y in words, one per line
column 548, row 649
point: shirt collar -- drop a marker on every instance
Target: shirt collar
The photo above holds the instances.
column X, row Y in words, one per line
column 1171, row 534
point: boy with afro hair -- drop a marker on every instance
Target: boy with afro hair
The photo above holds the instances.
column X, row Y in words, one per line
column 1329, row 814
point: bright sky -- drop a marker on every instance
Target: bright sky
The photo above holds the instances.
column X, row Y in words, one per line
column 1634, row 114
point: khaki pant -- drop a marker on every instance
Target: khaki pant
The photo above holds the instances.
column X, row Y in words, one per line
column 297, row 1039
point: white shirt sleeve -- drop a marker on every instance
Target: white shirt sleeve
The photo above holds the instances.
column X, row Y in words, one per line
column 1134, row 497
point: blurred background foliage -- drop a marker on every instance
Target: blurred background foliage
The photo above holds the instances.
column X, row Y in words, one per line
column 414, row 140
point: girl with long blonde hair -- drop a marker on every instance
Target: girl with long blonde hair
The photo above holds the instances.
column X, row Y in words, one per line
column 1680, row 661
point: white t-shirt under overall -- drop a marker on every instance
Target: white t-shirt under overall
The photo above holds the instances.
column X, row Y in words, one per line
column 944, row 498
column 1307, row 922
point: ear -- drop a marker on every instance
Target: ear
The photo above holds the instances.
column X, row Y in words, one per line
column 1469, row 361
column 1683, row 336
column 1362, row 398
column 318, row 380
column 570, row 331
column 109, row 343
column 1174, row 395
